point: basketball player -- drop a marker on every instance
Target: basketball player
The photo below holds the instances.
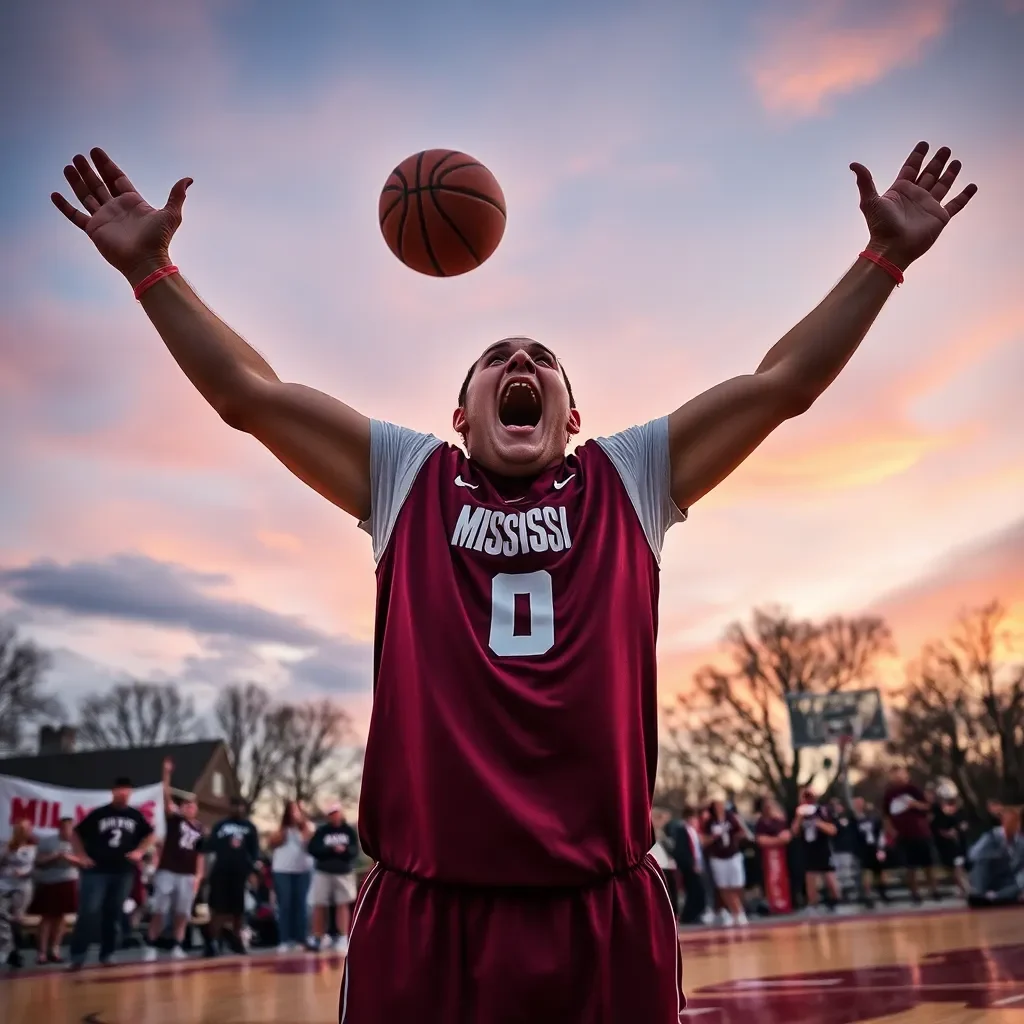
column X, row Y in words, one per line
column 179, row 871
column 513, row 744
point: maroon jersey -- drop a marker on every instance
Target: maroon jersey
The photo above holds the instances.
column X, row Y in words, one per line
column 771, row 827
column 908, row 822
column 513, row 738
column 182, row 845
column 727, row 835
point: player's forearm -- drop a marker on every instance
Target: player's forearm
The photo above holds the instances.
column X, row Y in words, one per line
column 813, row 353
column 213, row 357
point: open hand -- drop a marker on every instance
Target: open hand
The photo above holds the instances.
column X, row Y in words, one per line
column 131, row 235
column 905, row 221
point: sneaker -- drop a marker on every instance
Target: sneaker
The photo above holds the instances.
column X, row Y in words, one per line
column 726, row 919
column 741, row 918
column 285, row 947
column 707, row 917
column 177, row 953
column 341, row 945
column 149, row 954
column 325, row 943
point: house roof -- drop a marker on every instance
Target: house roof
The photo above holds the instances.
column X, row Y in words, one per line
column 97, row 769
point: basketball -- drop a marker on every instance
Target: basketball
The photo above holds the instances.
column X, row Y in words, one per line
column 442, row 212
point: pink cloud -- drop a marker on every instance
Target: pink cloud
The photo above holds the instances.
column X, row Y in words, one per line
column 835, row 47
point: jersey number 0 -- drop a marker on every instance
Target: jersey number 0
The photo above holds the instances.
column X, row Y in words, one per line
column 536, row 588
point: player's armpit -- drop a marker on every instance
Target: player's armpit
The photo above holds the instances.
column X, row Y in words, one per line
column 324, row 442
column 713, row 433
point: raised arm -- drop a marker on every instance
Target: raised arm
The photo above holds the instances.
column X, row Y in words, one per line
column 170, row 807
column 713, row 433
column 322, row 441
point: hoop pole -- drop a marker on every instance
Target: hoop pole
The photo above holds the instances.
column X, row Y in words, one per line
column 845, row 747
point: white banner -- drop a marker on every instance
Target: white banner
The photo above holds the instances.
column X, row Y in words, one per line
column 44, row 806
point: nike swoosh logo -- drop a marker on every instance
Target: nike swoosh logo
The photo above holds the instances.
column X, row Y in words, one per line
column 459, row 482
column 559, row 484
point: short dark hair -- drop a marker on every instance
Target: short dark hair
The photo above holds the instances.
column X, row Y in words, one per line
column 122, row 782
column 469, row 376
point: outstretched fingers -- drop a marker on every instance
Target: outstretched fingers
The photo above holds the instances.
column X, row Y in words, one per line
column 116, row 180
column 74, row 178
column 912, row 166
column 931, row 173
column 956, row 204
column 945, row 182
column 92, row 180
column 72, row 213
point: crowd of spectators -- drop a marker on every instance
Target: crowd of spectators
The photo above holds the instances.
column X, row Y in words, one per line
column 227, row 888
column 724, row 865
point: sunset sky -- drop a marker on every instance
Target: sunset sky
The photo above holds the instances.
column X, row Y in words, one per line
column 679, row 196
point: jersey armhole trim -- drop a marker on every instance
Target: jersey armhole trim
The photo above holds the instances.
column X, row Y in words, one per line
column 630, row 486
column 411, row 475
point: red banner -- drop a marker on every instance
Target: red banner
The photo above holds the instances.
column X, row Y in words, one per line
column 776, row 879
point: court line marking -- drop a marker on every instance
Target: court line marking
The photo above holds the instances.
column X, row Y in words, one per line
column 1008, row 1000
column 742, row 987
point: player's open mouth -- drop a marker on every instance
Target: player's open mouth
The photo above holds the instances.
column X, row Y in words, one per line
column 519, row 406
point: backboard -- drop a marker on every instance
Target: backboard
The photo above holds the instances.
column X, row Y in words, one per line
column 821, row 719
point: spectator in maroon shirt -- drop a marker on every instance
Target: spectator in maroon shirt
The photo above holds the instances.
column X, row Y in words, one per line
column 772, row 829
column 722, row 835
column 907, row 812
column 179, row 871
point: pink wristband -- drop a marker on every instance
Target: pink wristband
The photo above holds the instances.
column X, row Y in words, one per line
column 887, row 265
column 151, row 279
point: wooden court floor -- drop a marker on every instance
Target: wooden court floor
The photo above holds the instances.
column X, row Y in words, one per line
column 941, row 967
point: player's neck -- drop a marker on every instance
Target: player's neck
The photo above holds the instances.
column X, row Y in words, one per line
column 514, row 486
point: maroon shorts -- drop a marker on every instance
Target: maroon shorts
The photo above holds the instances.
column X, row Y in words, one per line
column 607, row 954
column 54, row 899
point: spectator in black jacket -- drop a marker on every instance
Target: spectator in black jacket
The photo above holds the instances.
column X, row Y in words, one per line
column 844, row 849
column 870, row 850
column 235, row 846
column 334, row 848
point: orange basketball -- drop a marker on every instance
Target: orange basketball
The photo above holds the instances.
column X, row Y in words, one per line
column 442, row 212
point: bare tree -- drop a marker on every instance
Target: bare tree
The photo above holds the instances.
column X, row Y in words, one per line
column 321, row 758
column 256, row 731
column 734, row 721
column 23, row 701
column 961, row 714
column 136, row 714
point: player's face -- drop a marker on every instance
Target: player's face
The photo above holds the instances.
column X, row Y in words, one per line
column 517, row 419
column 189, row 809
column 121, row 794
